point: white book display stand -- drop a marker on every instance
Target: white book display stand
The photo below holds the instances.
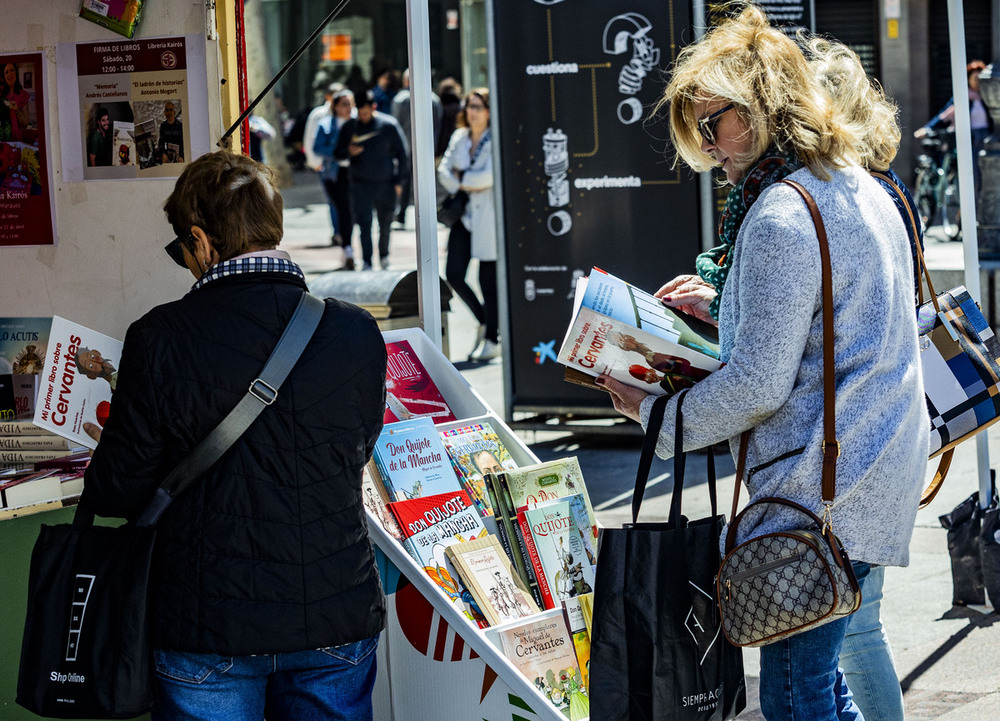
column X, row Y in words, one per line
column 433, row 662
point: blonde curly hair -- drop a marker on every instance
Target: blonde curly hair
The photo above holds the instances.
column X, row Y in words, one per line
column 860, row 101
column 766, row 76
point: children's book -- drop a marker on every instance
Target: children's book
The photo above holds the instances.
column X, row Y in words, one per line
column 429, row 525
column 81, row 372
column 542, row 482
column 487, row 573
column 476, row 449
column 409, row 389
column 542, row 650
column 629, row 334
column 579, row 631
column 412, row 461
column 555, row 547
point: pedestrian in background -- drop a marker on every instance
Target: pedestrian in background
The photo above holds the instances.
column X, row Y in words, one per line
column 401, row 112
column 468, row 165
column 745, row 98
column 335, row 175
column 374, row 145
column 266, row 599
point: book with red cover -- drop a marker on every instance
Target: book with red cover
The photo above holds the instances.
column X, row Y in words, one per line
column 409, row 389
column 429, row 525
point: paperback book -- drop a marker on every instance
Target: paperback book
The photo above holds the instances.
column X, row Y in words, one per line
column 429, row 525
column 543, row 482
column 22, row 356
column 556, row 549
column 412, row 461
column 476, row 449
column 486, row 571
column 575, row 612
column 541, row 649
column 409, row 389
column 630, row 335
column 81, row 372
column 375, row 501
column 509, row 533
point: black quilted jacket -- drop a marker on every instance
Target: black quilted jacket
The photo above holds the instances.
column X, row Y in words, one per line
column 268, row 552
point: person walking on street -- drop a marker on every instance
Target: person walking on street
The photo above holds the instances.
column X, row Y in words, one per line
column 468, row 165
column 401, row 109
column 336, row 175
column 374, row 145
column 745, row 98
column 323, row 110
column 266, row 599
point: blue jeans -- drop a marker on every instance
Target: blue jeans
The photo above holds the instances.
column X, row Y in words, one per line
column 866, row 657
column 329, row 684
column 800, row 679
column 380, row 199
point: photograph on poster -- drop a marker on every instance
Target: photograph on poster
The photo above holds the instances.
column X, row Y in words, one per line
column 153, row 110
column 25, row 202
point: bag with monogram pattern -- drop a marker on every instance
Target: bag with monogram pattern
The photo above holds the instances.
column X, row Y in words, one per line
column 780, row 584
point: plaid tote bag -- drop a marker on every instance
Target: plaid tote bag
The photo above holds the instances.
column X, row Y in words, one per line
column 961, row 368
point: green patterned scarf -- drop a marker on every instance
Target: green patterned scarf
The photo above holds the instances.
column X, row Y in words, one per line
column 713, row 265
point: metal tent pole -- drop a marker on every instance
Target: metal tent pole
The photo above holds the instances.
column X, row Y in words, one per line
column 967, row 199
column 422, row 158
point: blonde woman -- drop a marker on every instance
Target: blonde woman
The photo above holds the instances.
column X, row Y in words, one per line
column 745, row 99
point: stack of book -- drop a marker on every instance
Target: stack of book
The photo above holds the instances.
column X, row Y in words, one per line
column 37, row 466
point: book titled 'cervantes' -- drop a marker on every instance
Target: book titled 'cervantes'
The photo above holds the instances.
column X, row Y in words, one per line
column 630, row 335
column 80, row 375
column 541, row 648
column 409, row 389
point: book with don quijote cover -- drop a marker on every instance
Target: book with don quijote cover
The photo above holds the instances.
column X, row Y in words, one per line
column 409, row 389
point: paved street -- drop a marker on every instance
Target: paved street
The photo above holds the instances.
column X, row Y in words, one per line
column 948, row 658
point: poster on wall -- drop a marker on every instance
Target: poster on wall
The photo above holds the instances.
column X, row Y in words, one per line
column 140, row 107
column 587, row 176
column 25, row 186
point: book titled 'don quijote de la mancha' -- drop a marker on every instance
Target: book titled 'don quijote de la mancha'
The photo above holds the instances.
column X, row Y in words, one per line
column 412, row 461
column 558, row 554
column 629, row 334
column 81, row 372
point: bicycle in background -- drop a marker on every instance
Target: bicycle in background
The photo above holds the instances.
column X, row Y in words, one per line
column 936, row 187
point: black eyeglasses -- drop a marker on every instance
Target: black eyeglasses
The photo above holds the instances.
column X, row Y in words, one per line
column 706, row 126
column 175, row 249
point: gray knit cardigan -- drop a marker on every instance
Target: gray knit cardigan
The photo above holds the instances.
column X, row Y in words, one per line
column 771, row 340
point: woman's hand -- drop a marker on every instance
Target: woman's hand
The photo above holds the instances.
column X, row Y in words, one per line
column 626, row 399
column 94, row 431
column 689, row 294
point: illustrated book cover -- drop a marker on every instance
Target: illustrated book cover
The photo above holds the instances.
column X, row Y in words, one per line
column 556, row 548
column 22, row 356
column 412, row 461
column 429, row 525
column 575, row 613
column 542, row 650
column 547, row 481
column 476, row 449
column 372, row 495
column 486, row 571
column 629, row 334
column 81, row 371
column 409, row 389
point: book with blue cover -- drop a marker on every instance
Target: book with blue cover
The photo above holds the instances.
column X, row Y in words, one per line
column 412, row 461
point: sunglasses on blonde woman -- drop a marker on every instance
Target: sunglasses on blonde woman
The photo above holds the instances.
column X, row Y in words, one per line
column 707, row 125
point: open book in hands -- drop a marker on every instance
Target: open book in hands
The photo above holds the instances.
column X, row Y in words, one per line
column 629, row 334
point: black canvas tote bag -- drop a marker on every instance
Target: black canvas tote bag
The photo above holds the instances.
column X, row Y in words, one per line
column 657, row 649
column 76, row 664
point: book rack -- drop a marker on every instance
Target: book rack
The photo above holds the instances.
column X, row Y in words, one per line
column 433, row 660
